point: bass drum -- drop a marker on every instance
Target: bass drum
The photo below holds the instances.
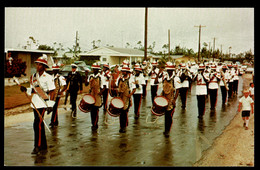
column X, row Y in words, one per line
column 86, row 103
column 159, row 105
column 115, row 107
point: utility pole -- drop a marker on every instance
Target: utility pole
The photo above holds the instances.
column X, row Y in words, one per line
column 75, row 49
column 214, row 47
column 145, row 34
column 169, row 42
column 199, row 40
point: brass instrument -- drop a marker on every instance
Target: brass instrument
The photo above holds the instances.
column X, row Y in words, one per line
column 224, row 80
column 57, row 89
column 146, row 70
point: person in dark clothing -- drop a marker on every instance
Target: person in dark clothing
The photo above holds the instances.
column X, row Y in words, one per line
column 74, row 82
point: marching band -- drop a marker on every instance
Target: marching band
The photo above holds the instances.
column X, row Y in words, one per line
column 123, row 82
column 175, row 80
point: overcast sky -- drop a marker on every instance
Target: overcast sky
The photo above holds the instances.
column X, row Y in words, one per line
column 116, row 26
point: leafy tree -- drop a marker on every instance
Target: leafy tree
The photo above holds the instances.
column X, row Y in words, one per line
column 249, row 56
column 45, row 47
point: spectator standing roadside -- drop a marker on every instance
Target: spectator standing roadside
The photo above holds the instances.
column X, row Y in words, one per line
column 246, row 104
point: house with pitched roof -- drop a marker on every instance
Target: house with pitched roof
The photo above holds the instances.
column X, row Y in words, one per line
column 29, row 56
column 114, row 55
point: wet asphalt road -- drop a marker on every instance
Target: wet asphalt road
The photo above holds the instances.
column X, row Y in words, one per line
column 72, row 143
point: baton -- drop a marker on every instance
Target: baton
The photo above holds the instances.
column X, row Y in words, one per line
column 40, row 116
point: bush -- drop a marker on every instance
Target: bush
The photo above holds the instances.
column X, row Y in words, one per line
column 16, row 69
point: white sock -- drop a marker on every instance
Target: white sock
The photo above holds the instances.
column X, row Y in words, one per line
column 247, row 121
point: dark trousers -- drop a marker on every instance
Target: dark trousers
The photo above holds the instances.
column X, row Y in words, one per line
column 168, row 120
column 230, row 91
column 144, row 89
column 54, row 116
column 123, row 119
column 213, row 97
column 105, row 96
column 39, row 130
column 201, row 104
column 137, row 103
column 66, row 97
column 73, row 99
column 235, row 86
column 94, row 116
column 224, row 94
column 154, row 90
column 183, row 93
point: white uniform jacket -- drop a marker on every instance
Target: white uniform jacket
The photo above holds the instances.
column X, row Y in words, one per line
column 46, row 81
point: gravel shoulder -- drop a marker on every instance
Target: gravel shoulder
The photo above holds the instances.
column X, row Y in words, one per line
column 235, row 146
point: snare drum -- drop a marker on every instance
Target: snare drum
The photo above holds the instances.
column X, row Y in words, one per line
column 115, row 107
column 86, row 103
column 159, row 105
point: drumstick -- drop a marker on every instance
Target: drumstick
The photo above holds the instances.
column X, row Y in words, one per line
column 16, row 80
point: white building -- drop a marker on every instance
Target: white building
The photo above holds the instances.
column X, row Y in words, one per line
column 114, row 55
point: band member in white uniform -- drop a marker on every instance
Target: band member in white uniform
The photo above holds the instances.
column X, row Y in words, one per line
column 106, row 74
column 145, row 74
column 154, row 86
column 185, row 77
column 41, row 88
column 139, row 82
column 213, row 86
column 236, row 79
column 60, row 84
column 201, row 90
column 224, row 85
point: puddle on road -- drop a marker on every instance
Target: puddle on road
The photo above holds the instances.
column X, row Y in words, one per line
column 72, row 143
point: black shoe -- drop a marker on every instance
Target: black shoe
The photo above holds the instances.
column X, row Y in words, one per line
column 200, row 116
column 43, row 150
column 122, row 130
column 166, row 133
column 35, row 151
column 94, row 128
column 74, row 113
column 183, row 107
column 136, row 117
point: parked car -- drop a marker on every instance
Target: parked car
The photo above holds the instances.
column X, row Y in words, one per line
column 244, row 67
column 64, row 71
column 249, row 70
column 83, row 64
